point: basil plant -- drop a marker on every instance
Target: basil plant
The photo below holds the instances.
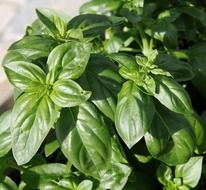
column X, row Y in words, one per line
column 112, row 99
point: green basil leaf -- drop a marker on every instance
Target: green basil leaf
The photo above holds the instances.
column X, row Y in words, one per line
column 183, row 187
column 141, row 153
column 180, row 70
column 196, row 12
column 50, row 185
column 165, row 32
column 125, row 60
column 93, row 24
column 5, row 162
column 69, row 182
column 116, row 177
column 132, row 13
column 113, row 45
column 67, row 93
column 34, row 47
column 169, row 15
column 54, row 20
column 25, row 76
column 190, row 172
column 53, row 185
column 172, row 95
column 118, row 154
column 100, row 7
column 23, row 186
column 170, row 138
column 134, row 113
column 68, row 61
column 158, row 71
column 38, row 175
column 139, row 77
column 51, row 147
column 38, row 159
column 164, row 174
column 32, row 118
column 7, row 184
column 37, row 28
column 149, row 85
column 118, row 172
column 197, row 56
column 131, row 70
column 5, row 134
column 147, row 61
column 84, row 139
column 199, row 131
column 85, row 185
column 13, row 55
column 102, row 79
column 77, row 34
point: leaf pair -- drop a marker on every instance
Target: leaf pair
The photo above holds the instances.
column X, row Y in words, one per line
column 165, row 131
column 55, row 22
column 165, row 127
column 85, row 140
column 186, row 176
column 135, row 109
column 35, row 111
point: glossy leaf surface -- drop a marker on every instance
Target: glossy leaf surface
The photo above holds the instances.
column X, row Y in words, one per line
column 54, row 20
column 164, row 174
column 32, row 118
column 38, row 175
column 180, row 70
column 108, row 100
column 92, row 24
column 85, row 185
column 51, row 147
column 8, row 184
column 170, row 138
column 25, row 76
column 134, row 113
column 84, row 138
column 68, row 61
column 67, row 93
column 116, row 176
column 100, row 7
column 198, row 128
column 190, row 172
column 34, row 47
column 102, row 80
column 172, row 95
column 125, row 60
column 165, row 32
column 11, row 56
column 5, row 134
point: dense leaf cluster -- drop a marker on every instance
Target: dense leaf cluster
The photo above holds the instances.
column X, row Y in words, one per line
column 102, row 102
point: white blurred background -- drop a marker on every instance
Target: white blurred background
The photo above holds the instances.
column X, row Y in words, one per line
column 15, row 15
